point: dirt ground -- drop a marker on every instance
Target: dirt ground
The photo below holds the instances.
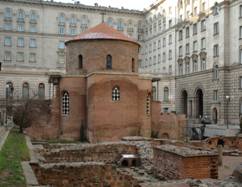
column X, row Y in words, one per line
column 229, row 164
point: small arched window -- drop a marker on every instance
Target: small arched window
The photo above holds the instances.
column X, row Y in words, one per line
column 109, row 62
column 148, row 98
column 65, row 103
column 133, row 65
column 116, row 93
column 25, row 90
column 166, row 94
column 41, row 91
column 80, row 61
column 9, row 90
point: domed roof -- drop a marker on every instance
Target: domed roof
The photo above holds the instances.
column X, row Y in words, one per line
column 102, row 32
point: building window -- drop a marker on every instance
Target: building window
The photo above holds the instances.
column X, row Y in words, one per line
column 187, row 67
column 195, row 66
column 32, row 43
column 215, row 95
column 170, row 39
column 180, row 69
column 240, row 106
column 166, row 94
column 32, row 58
column 195, row 46
column 170, row 69
column 148, row 98
column 61, row 45
column 187, row 32
column 116, row 93
column 109, row 62
column 20, row 57
column 133, row 65
column 180, row 35
column 65, row 103
column 203, row 25
column 41, row 91
column 33, row 17
column 216, row 28
column 203, row 43
column 9, row 90
column 7, row 56
column 21, row 16
column 203, row 64
column 187, row 49
column 80, row 61
column 159, row 44
column 215, row 72
column 61, row 29
column 73, row 31
column 180, row 51
column 240, row 82
column 154, row 93
column 20, row 42
column 163, row 57
column 8, row 13
column 194, row 29
column 240, row 55
column 25, row 91
column 215, row 51
column 170, row 54
column 240, row 11
column 164, row 42
column 120, row 26
column 240, row 32
column 20, row 27
column 7, row 41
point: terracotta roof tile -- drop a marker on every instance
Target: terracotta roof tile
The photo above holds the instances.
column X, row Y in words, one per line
column 102, row 32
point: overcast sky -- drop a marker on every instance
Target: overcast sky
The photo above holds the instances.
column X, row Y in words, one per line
column 130, row 4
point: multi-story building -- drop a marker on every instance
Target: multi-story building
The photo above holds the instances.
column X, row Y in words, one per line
column 192, row 48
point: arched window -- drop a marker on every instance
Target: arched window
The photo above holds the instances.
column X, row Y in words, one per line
column 116, row 93
column 109, row 62
column 9, row 90
column 25, row 90
column 148, row 104
column 80, row 63
column 166, row 94
column 65, row 103
column 41, row 91
column 133, row 65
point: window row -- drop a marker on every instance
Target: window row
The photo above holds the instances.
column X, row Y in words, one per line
column 19, row 57
column 66, row 99
column 21, row 14
column 10, row 92
column 192, row 67
column 109, row 62
column 20, row 27
column 20, row 42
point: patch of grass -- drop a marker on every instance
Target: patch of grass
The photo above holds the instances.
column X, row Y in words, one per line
column 13, row 152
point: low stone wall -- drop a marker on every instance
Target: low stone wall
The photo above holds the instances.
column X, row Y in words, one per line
column 82, row 175
column 107, row 153
column 174, row 162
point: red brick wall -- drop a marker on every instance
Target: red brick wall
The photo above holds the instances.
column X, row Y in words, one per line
column 169, row 165
column 94, row 55
column 111, row 120
column 70, row 124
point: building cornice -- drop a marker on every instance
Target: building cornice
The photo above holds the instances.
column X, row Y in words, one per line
column 77, row 6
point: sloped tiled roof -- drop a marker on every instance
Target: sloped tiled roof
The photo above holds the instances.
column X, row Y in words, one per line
column 102, row 32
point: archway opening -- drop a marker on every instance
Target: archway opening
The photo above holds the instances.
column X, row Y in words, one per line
column 165, row 136
column 199, row 103
column 215, row 116
column 184, row 102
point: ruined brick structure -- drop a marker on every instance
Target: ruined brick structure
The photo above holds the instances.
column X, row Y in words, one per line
column 178, row 162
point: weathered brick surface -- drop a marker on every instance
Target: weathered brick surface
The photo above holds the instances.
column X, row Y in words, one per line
column 82, row 175
column 108, row 153
column 172, row 165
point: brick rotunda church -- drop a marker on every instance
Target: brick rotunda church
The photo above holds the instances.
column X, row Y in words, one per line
column 101, row 97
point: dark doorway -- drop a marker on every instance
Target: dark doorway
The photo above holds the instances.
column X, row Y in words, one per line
column 199, row 103
column 184, row 102
column 215, row 116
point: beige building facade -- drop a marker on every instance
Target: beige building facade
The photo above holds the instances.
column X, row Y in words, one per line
column 192, row 49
